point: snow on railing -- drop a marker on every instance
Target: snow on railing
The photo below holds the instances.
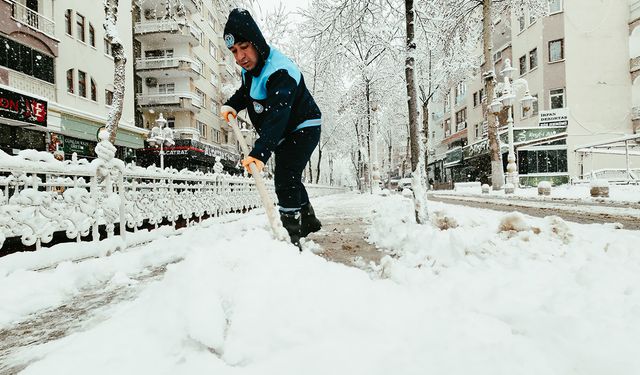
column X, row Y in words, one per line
column 166, row 99
column 32, row 18
column 168, row 63
column 40, row 196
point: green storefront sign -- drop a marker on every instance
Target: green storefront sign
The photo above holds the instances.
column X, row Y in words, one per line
column 520, row 135
column 84, row 129
column 453, row 157
column 79, row 146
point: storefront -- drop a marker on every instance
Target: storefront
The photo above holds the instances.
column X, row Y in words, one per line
column 23, row 121
column 541, row 155
column 190, row 154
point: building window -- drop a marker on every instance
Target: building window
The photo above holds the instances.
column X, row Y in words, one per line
column 461, row 118
column 521, row 23
column 557, row 98
column 80, row 27
column 461, row 90
column 158, row 53
column 534, row 106
column 67, row 22
column 497, row 56
column 107, row 48
column 171, row 122
column 214, row 106
column 108, row 97
column 477, row 132
column 94, row 91
column 70, row 80
column 556, row 50
column 215, row 135
column 533, row 59
column 200, row 67
column 202, row 128
column 555, row 6
column 446, row 102
column 92, row 36
column 82, row 83
column 542, row 161
column 166, row 88
column 27, row 60
column 475, row 99
column 523, row 65
column 203, row 98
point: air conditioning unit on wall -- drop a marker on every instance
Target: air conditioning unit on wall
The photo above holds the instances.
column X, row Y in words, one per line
column 151, row 82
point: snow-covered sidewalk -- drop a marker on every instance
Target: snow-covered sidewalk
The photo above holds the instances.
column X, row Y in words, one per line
column 478, row 292
column 619, row 195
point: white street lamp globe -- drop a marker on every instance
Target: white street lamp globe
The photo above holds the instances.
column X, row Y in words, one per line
column 496, row 106
column 508, row 70
column 160, row 121
column 507, row 98
column 527, row 101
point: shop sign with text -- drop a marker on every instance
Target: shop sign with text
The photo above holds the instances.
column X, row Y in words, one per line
column 22, row 108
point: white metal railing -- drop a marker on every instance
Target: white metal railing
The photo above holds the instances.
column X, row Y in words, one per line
column 186, row 133
column 164, row 99
column 167, row 26
column 40, row 196
column 168, row 63
column 32, row 18
column 613, row 174
column 31, row 84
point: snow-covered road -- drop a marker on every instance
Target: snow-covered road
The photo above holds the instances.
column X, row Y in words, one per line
column 493, row 293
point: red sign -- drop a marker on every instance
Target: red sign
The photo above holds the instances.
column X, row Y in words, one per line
column 23, row 108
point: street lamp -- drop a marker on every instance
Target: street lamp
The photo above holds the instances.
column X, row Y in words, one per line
column 161, row 135
column 508, row 99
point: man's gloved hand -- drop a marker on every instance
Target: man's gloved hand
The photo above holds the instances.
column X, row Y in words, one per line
column 250, row 159
column 226, row 110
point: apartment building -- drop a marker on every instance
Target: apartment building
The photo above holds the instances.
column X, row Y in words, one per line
column 634, row 65
column 575, row 61
column 56, row 77
column 181, row 66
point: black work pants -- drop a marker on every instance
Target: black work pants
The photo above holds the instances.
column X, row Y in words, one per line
column 292, row 155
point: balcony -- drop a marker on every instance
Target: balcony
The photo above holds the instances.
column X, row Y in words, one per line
column 186, row 133
column 32, row 19
column 167, row 31
column 32, row 85
column 173, row 102
column 172, row 67
column 193, row 6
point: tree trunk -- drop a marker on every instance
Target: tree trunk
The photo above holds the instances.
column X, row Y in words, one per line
column 497, row 174
column 119, row 61
column 412, row 103
column 425, row 137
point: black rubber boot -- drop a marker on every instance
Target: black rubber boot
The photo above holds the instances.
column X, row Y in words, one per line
column 310, row 222
column 291, row 222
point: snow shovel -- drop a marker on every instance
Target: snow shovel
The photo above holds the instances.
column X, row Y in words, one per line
column 276, row 225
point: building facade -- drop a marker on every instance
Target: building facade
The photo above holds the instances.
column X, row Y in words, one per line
column 181, row 66
column 54, row 56
column 575, row 62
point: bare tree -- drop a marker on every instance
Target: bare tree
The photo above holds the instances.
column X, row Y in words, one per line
column 119, row 62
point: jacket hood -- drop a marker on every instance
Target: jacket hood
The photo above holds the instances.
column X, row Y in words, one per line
column 241, row 27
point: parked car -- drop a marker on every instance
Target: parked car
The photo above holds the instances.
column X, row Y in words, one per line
column 404, row 183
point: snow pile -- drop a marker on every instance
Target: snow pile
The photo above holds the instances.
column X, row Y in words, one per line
column 485, row 302
column 544, row 185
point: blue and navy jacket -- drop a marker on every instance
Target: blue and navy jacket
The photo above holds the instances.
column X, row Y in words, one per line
column 274, row 92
